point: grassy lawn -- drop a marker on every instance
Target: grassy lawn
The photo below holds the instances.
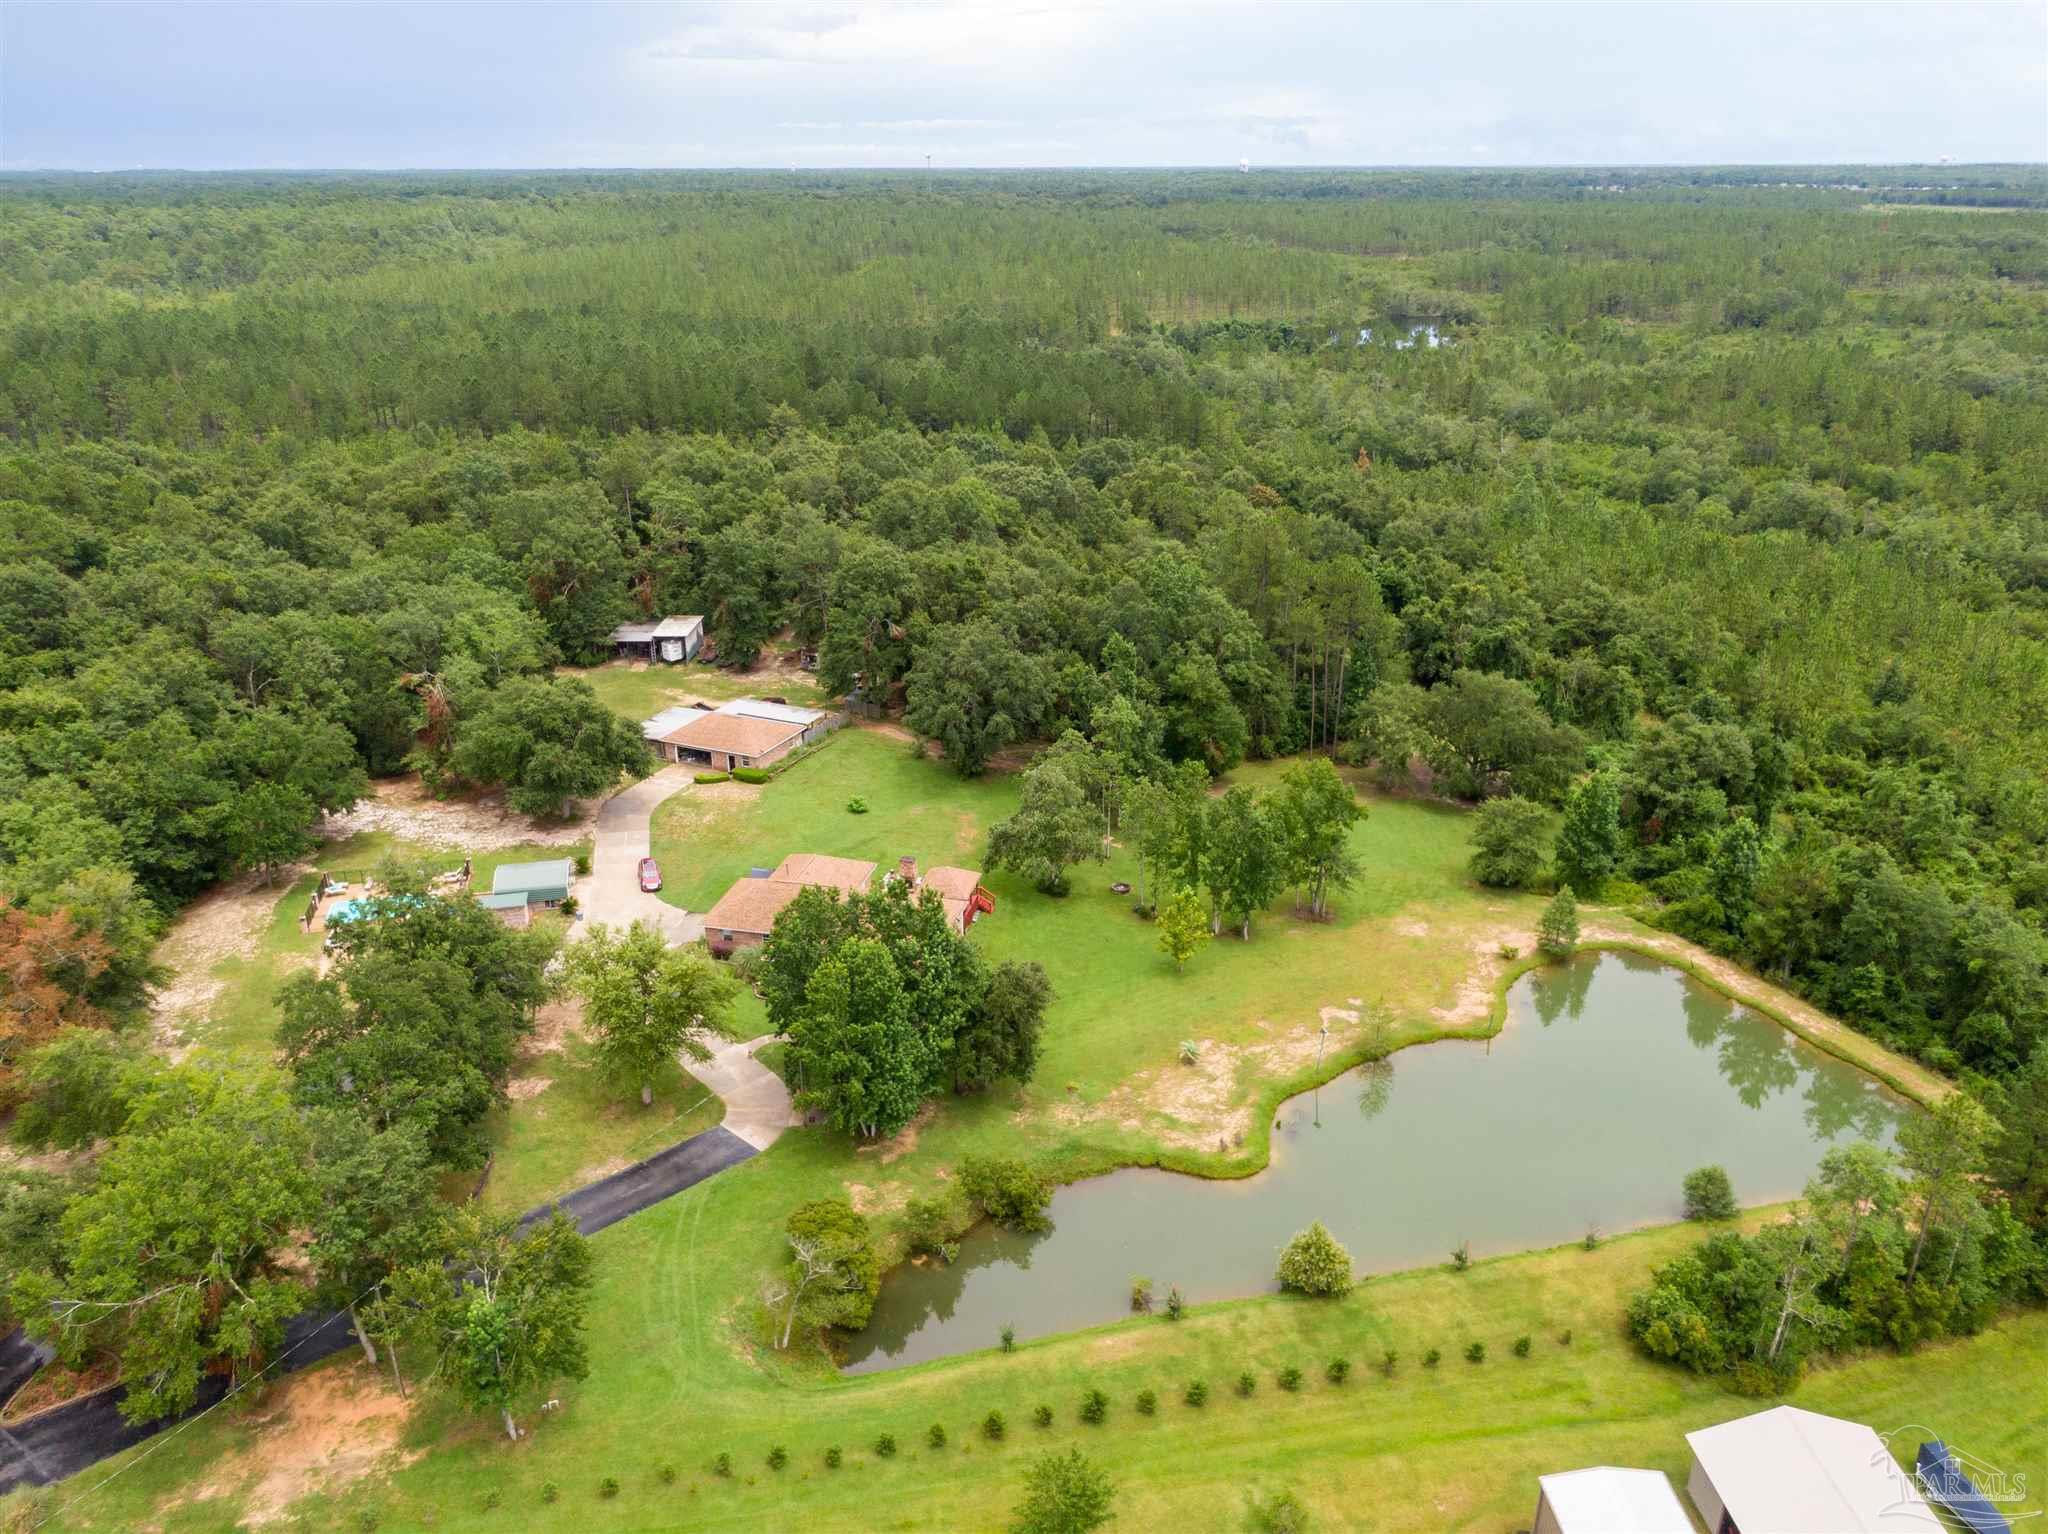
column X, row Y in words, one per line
column 570, row 1125
column 241, row 1021
column 681, row 1368
column 707, row 840
column 640, row 691
column 1453, row 1447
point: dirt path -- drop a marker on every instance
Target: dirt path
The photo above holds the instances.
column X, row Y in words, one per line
column 320, row 1431
column 403, row 808
column 227, row 922
column 884, row 729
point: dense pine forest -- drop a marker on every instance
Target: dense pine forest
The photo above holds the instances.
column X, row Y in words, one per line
column 1717, row 497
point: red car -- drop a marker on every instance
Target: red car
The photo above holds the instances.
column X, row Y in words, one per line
column 650, row 875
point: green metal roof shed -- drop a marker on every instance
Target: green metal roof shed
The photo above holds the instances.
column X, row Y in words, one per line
column 540, row 883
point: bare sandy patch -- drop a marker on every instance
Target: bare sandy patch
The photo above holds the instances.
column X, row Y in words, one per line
column 886, row 1199
column 480, row 823
column 904, row 1141
column 553, row 1027
column 1203, row 1105
column 227, row 922
column 1412, row 928
column 601, row 1170
column 525, row 1087
column 1472, row 1002
column 324, row 1430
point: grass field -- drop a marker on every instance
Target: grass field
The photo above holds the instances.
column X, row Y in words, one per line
column 681, row 1369
column 639, row 691
column 1455, row 1447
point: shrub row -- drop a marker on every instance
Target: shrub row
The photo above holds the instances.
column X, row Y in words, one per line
column 1095, row 1405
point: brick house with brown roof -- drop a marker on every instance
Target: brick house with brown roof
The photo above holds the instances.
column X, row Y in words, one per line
column 746, row 913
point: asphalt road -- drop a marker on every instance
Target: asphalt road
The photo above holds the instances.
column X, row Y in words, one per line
column 66, row 1439
column 646, row 1183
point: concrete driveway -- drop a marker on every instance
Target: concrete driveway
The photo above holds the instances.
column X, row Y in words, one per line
column 757, row 1105
column 612, row 893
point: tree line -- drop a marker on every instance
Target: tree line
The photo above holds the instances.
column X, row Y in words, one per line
column 221, row 1202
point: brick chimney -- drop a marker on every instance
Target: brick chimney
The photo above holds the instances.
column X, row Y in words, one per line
column 906, row 870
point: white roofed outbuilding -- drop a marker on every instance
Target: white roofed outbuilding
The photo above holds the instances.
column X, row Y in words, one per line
column 666, row 639
column 1788, row 1470
column 1607, row 1499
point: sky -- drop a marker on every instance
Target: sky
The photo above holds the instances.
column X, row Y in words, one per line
column 489, row 84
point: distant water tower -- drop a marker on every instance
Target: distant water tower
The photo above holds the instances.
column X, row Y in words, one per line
column 1244, row 167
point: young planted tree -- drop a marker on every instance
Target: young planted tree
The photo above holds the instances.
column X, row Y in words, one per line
column 172, row 1262
column 503, row 1314
column 1183, row 927
column 1064, row 1494
column 1313, row 811
column 647, row 1002
column 1557, row 931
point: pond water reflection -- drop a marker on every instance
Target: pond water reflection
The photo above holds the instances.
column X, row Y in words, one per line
column 1615, row 1076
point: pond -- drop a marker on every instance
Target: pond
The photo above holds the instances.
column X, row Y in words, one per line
column 1615, row 1076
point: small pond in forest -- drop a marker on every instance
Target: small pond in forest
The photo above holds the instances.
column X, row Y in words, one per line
column 1615, row 1076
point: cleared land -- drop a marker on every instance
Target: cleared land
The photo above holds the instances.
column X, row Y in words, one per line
column 638, row 690
column 681, row 1370
column 1454, row 1447
column 566, row 1125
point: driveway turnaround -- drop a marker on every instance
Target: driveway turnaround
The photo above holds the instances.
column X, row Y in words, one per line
column 612, row 893
column 757, row 1106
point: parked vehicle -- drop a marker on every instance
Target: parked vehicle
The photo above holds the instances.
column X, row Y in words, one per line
column 650, row 875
